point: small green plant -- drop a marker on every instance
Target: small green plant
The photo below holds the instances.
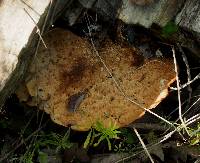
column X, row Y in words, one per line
column 129, row 136
column 195, row 135
column 169, row 29
column 53, row 141
column 56, row 140
column 27, row 157
column 128, row 143
column 102, row 133
column 42, row 157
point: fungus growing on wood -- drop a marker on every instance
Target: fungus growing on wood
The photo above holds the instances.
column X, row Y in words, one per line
column 69, row 70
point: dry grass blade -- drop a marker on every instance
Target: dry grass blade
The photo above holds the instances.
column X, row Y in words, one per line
column 188, row 72
column 29, row 6
column 193, row 119
column 21, row 143
column 188, row 83
column 40, row 32
column 196, row 102
column 184, row 124
column 162, row 139
column 38, row 29
column 179, row 91
column 143, row 145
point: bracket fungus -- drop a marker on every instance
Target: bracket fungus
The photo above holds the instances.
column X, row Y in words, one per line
column 69, row 82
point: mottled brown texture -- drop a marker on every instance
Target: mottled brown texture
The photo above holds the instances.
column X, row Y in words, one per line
column 69, row 66
column 74, row 75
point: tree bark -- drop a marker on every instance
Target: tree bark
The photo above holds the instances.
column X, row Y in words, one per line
column 19, row 28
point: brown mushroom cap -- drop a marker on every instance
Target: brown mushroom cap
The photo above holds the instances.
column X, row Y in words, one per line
column 71, row 84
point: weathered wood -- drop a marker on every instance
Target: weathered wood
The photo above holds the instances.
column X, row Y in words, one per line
column 186, row 13
column 142, row 12
column 19, row 37
column 155, row 11
column 189, row 17
column 107, row 9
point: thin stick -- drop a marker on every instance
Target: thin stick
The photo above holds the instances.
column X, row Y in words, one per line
column 194, row 68
column 40, row 33
column 184, row 114
column 188, row 83
column 41, row 39
column 174, row 110
column 193, row 117
column 179, row 92
column 143, row 145
column 191, row 106
column 186, row 110
column 40, row 124
column 38, row 29
column 35, row 56
column 188, row 72
column 188, row 122
column 164, row 138
column 29, row 6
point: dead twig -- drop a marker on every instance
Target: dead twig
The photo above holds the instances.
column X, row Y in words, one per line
column 143, row 145
column 162, row 139
column 40, row 32
column 38, row 29
column 29, row 6
column 179, row 91
column 196, row 102
column 193, row 119
column 188, row 72
column 188, row 83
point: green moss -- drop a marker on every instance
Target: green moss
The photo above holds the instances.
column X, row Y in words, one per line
column 169, row 29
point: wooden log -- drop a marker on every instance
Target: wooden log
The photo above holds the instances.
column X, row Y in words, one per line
column 148, row 12
column 189, row 17
column 20, row 21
